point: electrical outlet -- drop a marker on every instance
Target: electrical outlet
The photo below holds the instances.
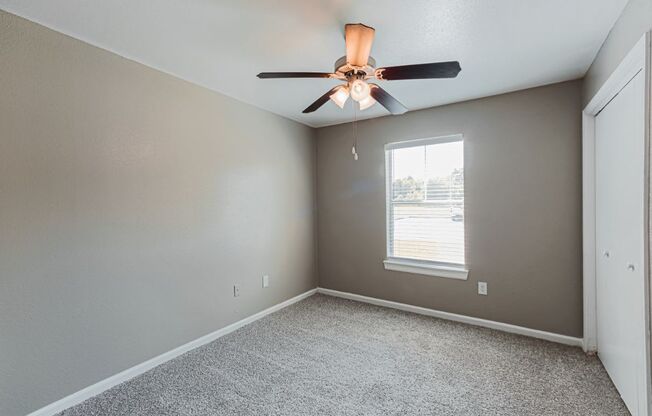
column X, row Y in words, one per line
column 236, row 291
column 265, row 281
column 482, row 288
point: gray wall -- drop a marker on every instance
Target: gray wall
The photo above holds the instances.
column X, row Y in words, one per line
column 635, row 20
column 523, row 208
column 130, row 203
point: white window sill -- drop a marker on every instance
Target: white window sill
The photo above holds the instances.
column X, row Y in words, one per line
column 429, row 269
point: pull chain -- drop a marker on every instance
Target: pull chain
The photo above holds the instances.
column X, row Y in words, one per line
column 354, row 150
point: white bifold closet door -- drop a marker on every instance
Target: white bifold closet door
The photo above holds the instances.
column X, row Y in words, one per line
column 620, row 233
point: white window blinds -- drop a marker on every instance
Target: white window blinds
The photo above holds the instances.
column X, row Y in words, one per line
column 425, row 200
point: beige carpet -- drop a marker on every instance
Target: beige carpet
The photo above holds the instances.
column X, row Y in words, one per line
column 328, row 356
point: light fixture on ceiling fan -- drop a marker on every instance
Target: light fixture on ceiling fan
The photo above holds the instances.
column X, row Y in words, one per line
column 357, row 67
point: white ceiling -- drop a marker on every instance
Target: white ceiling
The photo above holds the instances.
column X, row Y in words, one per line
column 502, row 45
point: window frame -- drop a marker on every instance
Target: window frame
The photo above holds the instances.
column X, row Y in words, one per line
column 408, row 265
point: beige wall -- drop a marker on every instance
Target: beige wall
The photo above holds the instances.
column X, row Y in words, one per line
column 635, row 20
column 130, row 203
column 523, row 208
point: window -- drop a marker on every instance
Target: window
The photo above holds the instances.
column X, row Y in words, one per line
column 425, row 206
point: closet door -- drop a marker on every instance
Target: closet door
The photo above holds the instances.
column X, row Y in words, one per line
column 620, row 232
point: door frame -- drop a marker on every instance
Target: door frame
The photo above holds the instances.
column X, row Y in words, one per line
column 637, row 60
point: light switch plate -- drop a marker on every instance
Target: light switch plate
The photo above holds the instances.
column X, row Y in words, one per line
column 236, row 291
column 265, row 281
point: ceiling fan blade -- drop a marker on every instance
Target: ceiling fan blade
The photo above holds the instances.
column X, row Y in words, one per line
column 264, row 75
column 386, row 100
column 358, row 38
column 420, row 71
column 320, row 101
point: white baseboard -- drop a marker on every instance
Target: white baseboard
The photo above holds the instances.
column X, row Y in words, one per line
column 139, row 369
column 514, row 329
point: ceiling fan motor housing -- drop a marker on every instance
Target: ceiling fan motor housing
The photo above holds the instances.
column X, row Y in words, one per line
column 350, row 72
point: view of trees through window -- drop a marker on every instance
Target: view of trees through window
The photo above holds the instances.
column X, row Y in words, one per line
column 449, row 188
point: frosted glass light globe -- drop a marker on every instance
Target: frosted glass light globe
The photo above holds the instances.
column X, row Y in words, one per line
column 366, row 103
column 359, row 90
column 340, row 96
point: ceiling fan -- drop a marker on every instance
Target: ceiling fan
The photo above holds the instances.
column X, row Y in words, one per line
column 357, row 67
